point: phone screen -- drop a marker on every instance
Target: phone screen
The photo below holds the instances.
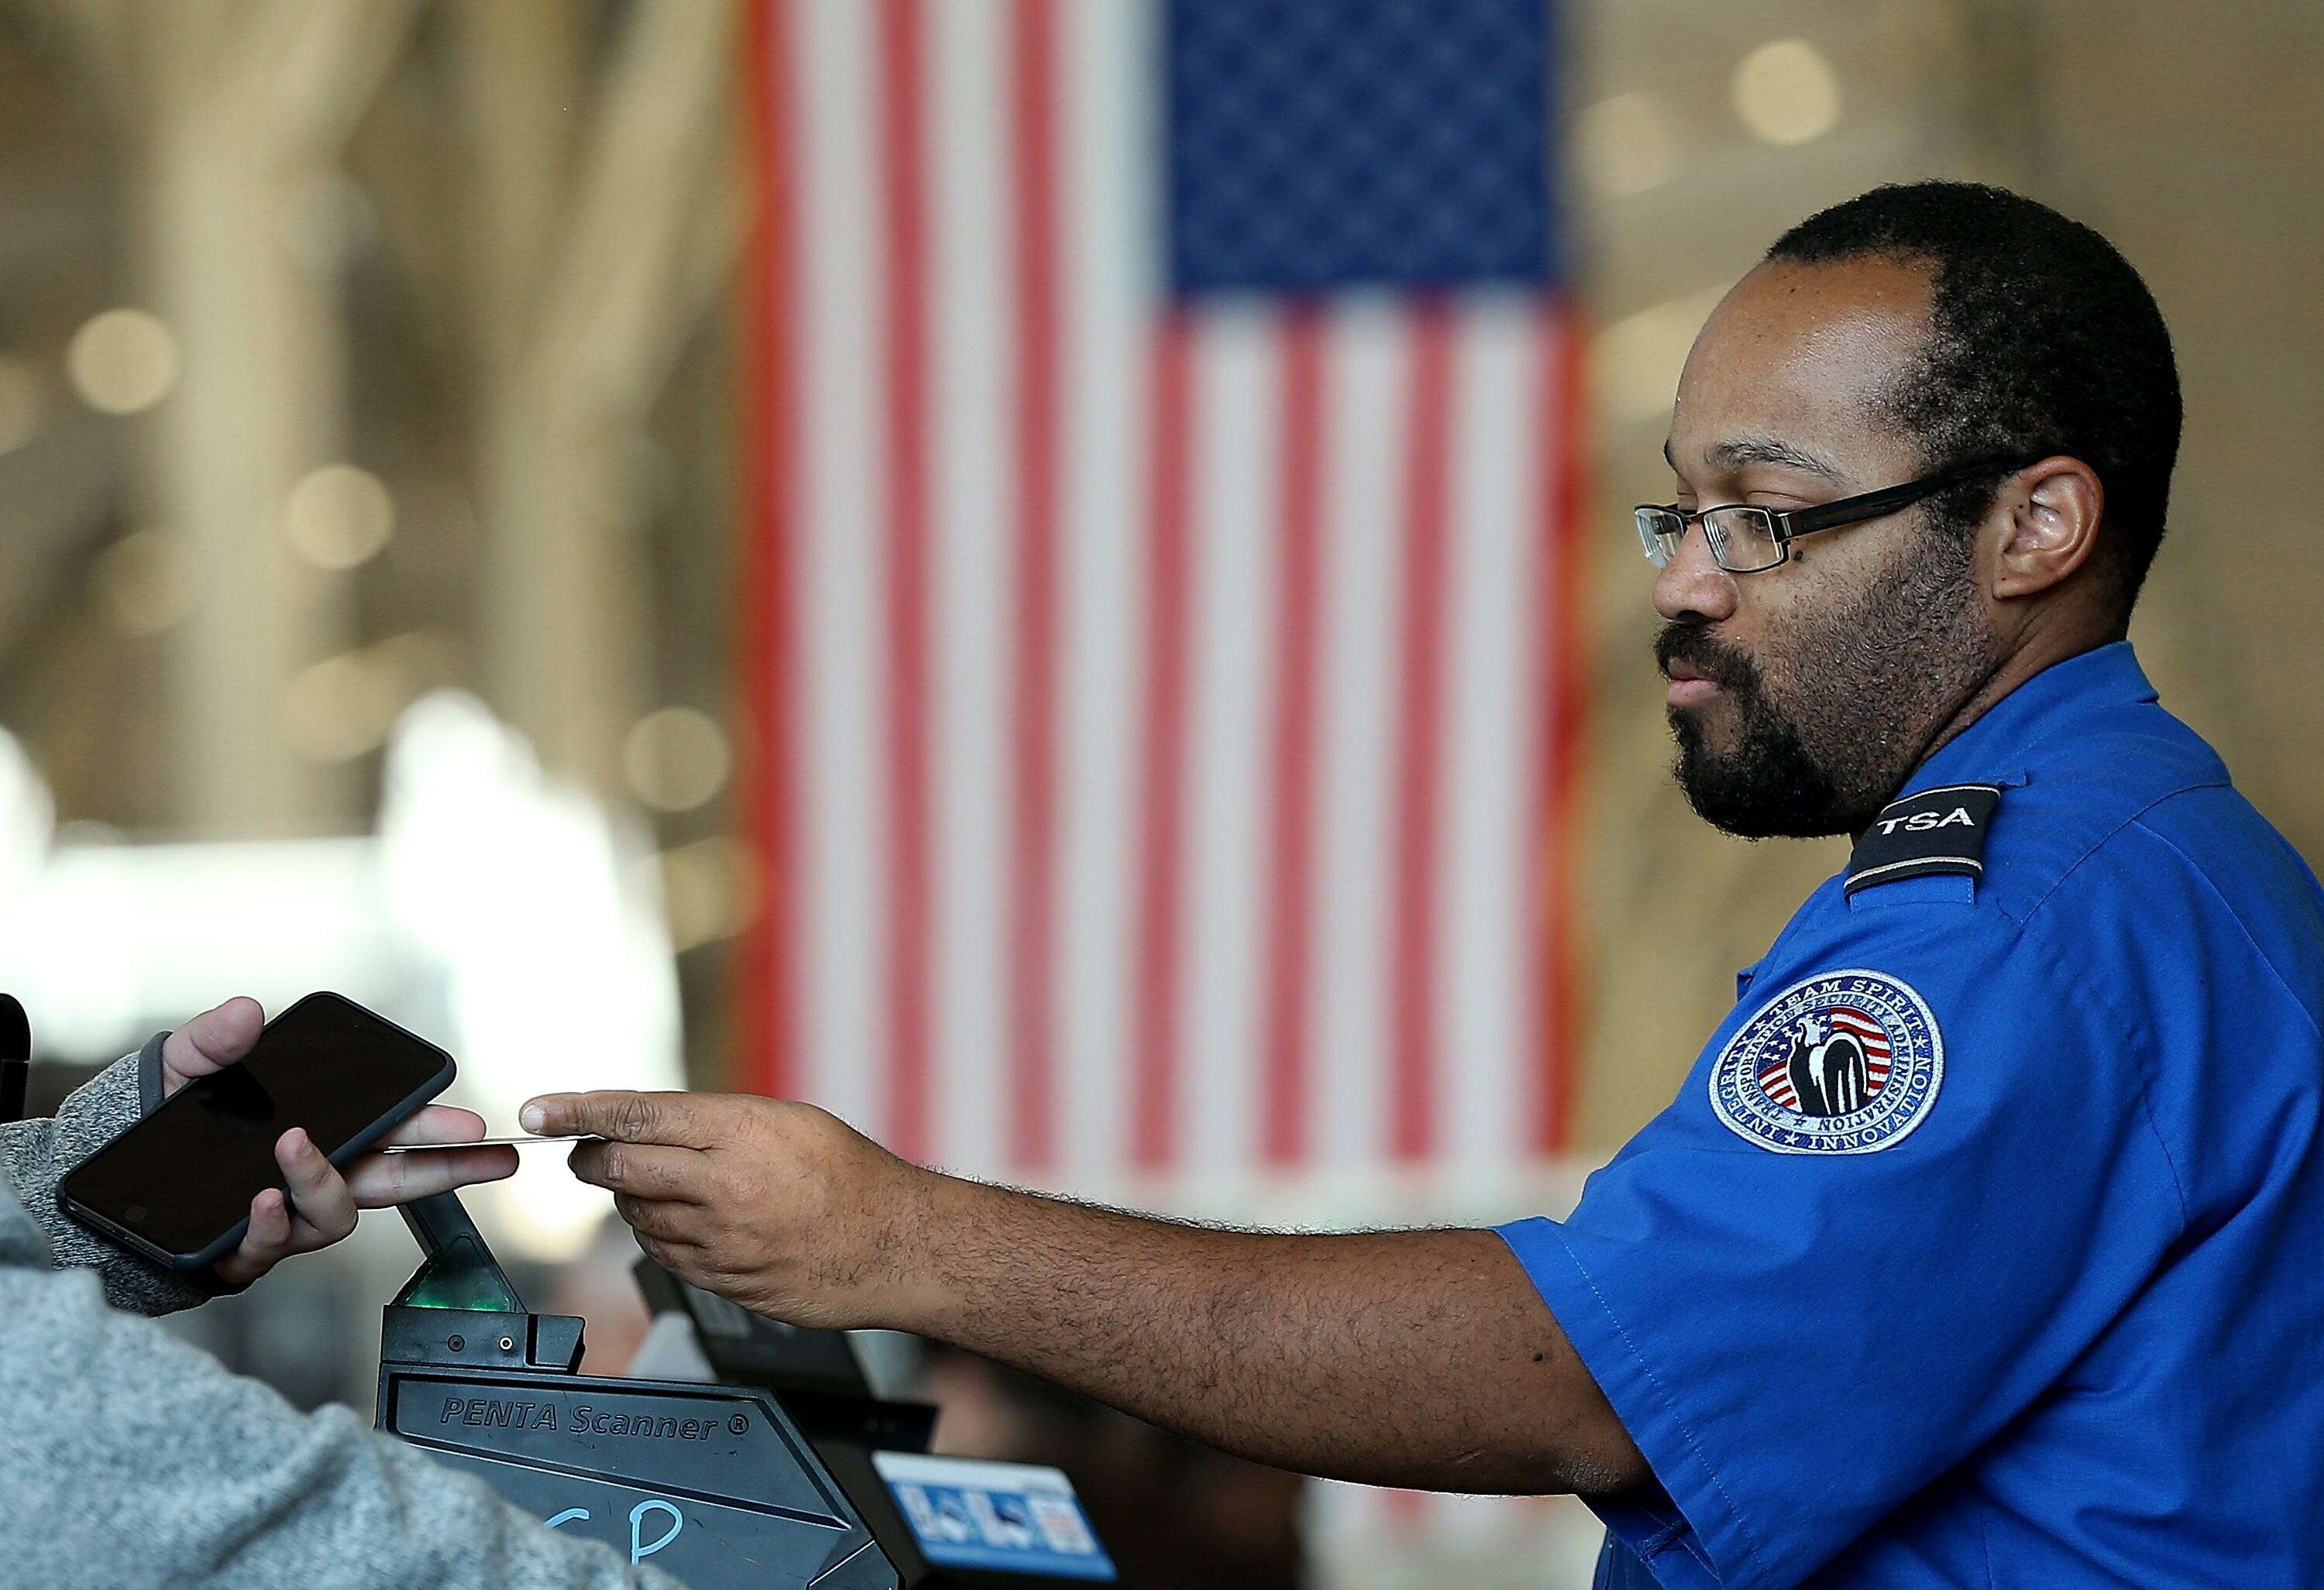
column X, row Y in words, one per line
column 184, row 1176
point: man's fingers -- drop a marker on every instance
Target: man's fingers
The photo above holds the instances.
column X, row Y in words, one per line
column 267, row 1240
column 679, row 1259
column 666, row 1222
column 622, row 1117
column 213, row 1040
column 380, row 1181
column 319, row 1193
column 649, row 1170
column 439, row 1123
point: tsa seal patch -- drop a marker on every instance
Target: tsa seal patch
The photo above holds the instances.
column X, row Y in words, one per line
column 1846, row 1062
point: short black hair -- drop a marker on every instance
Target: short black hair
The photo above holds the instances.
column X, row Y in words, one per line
column 2042, row 340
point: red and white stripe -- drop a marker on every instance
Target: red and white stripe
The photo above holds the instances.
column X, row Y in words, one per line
column 1876, row 1052
column 1163, row 711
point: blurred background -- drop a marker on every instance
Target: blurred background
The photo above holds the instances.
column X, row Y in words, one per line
column 1048, row 573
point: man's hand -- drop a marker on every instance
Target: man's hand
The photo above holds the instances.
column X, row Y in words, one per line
column 781, row 1207
column 320, row 1206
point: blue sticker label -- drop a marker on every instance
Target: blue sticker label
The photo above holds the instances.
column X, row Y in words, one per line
column 1011, row 1516
column 1846, row 1062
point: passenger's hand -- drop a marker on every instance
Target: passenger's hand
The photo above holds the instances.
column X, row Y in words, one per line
column 319, row 1206
column 778, row 1206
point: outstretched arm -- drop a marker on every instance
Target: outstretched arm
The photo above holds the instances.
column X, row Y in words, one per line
column 1421, row 1358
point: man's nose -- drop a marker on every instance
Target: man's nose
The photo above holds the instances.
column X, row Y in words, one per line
column 1692, row 584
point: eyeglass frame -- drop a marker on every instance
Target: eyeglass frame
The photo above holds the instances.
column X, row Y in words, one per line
column 1786, row 525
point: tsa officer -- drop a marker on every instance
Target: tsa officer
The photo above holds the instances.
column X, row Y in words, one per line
column 1980, row 1244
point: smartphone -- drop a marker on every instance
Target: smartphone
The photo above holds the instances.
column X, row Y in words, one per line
column 177, row 1186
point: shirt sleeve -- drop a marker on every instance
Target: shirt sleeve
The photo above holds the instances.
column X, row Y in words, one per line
column 1799, row 1337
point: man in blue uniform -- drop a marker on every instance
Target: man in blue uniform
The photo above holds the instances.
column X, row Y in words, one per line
column 1984, row 1243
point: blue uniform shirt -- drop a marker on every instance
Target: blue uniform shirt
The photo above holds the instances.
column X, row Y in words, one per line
column 2043, row 1302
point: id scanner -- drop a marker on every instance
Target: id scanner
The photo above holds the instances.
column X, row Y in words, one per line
column 783, row 1470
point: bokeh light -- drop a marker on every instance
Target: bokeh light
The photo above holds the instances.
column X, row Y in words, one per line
column 675, row 759
column 1623, row 146
column 709, row 890
column 123, row 362
column 340, row 708
column 339, row 517
column 346, row 706
column 1786, row 92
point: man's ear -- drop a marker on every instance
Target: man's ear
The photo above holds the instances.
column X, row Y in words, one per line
column 2050, row 512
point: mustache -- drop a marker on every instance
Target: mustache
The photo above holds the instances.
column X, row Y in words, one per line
column 1713, row 658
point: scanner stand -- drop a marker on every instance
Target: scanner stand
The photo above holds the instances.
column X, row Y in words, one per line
column 791, row 1479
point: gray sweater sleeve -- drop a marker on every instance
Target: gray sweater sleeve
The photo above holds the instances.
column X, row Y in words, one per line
column 131, row 1458
column 128, row 1457
column 34, row 1155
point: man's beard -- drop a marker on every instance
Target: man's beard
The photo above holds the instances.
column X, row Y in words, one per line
column 1868, row 688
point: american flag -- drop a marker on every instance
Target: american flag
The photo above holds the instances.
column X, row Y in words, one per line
column 1161, row 609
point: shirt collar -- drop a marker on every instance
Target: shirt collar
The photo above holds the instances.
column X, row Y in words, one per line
column 1995, row 747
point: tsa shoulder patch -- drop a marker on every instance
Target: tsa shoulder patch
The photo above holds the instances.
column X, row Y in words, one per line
column 1937, row 830
column 1845, row 1062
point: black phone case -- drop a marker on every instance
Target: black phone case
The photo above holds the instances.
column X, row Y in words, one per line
column 352, row 1149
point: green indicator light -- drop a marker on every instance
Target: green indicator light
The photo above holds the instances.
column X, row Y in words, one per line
column 471, row 1291
column 460, row 1276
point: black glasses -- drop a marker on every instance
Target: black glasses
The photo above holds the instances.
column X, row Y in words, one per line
column 1745, row 539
